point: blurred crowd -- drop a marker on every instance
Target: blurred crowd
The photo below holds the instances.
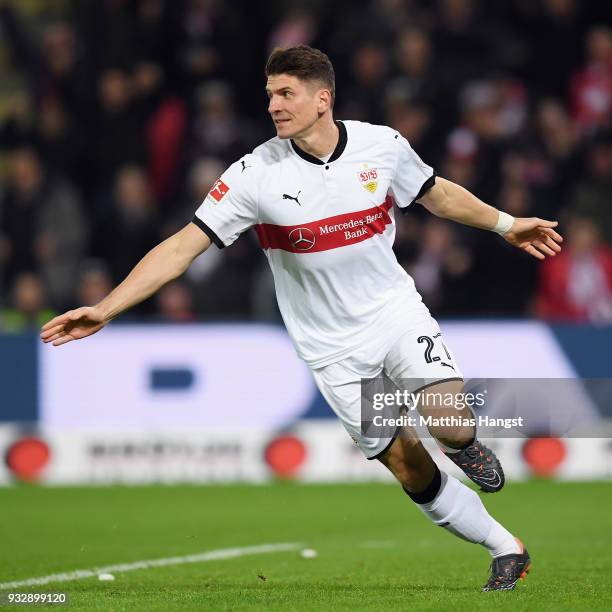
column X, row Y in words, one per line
column 116, row 116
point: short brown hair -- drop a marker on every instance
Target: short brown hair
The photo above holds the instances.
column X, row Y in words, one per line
column 304, row 62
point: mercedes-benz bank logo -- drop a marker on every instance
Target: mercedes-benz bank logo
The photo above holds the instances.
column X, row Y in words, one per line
column 302, row 239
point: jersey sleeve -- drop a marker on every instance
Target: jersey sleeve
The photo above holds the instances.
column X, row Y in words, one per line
column 230, row 207
column 412, row 177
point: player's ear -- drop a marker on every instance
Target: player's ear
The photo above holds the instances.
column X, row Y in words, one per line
column 324, row 100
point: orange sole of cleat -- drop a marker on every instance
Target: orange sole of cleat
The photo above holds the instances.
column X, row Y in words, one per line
column 525, row 572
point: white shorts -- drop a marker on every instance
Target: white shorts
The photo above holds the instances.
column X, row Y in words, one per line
column 416, row 359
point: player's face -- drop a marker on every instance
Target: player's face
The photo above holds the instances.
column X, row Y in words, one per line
column 295, row 105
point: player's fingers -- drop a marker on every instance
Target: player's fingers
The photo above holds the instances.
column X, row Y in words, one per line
column 55, row 337
column 551, row 243
column 533, row 251
column 63, row 339
column 49, row 333
column 543, row 248
column 59, row 320
column 551, row 232
column 545, row 223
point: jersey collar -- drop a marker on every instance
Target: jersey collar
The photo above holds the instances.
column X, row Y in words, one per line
column 342, row 138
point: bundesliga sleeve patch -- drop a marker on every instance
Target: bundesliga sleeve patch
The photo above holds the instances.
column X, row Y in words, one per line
column 218, row 191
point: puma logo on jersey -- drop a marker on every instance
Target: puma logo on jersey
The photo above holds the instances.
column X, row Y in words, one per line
column 244, row 166
column 289, row 197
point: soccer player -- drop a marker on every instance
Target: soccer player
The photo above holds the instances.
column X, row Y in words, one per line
column 320, row 197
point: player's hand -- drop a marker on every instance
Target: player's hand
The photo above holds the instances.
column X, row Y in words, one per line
column 73, row 325
column 535, row 236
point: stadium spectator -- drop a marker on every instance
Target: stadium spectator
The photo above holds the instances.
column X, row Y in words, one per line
column 298, row 27
column 554, row 130
column 117, row 127
column 128, row 222
column 413, row 120
column 493, row 261
column 556, row 145
column 370, row 66
column 459, row 163
column 413, row 55
column 59, row 141
column 175, row 303
column 51, row 65
column 154, row 32
column 199, row 48
column 553, row 30
column 43, row 225
column 593, row 193
column 28, row 307
column 441, row 267
column 217, row 130
column 577, row 285
column 227, row 292
column 459, row 38
column 94, row 282
column 591, row 87
column 164, row 116
column 18, row 119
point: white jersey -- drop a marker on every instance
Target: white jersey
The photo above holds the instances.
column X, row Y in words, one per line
column 327, row 229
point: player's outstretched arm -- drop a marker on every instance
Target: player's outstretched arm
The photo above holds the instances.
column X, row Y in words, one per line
column 532, row 235
column 160, row 265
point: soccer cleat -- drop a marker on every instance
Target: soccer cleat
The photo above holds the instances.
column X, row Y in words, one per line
column 481, row 466
column 506, row 571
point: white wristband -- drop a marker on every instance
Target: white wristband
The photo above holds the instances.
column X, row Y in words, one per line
column 504, row 223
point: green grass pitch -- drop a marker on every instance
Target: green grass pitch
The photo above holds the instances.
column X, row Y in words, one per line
column 375, row 549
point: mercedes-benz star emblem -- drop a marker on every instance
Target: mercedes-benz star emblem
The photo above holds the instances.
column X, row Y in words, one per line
column 302, row 239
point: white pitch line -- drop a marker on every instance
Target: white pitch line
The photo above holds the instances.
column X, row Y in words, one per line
column 210, row 555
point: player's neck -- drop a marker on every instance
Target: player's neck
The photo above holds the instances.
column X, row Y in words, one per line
column 321, row 140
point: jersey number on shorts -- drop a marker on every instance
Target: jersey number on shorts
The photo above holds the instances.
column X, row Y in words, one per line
column 429, row 348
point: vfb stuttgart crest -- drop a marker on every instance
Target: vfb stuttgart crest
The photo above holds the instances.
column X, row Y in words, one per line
column 368, row 178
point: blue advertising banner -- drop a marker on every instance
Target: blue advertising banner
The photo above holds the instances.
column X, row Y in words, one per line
column 18, row 377
column 148, row 374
